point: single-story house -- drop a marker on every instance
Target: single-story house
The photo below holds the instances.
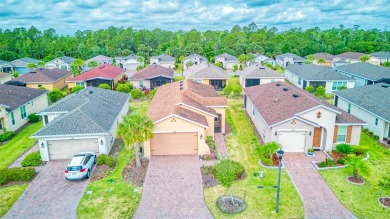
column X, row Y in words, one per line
column 207, row 73
column 63, row 62
column 103, row 74
column 326, row 56
column 298, row 120
column 4, row 77
column 306, row 75
column 228, row 61
column 382, row 56
column 270, row 61
column 365, row 74
column 353, row 57
column 259, row 58
column 151, row 77
column 338, row 63
column 184, row 114
column 17, row 103
column 258, row 74
column 21, row 64
column 287, row 59
column 193, row 59
column 6, row 67
column 129, row 62
column 83, row 121
column 100, row 60
column 164, row 60
column 369, row 103
column 47, row 78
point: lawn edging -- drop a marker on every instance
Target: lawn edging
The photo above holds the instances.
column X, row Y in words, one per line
column 314, row 163
column 270, row 167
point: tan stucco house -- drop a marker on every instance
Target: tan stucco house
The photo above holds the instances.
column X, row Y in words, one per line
column 16, row 103
column 298, row 120
column 151, row 77
column 228, row 61
column 184, row 113
column 207, row 73
column 47, row 78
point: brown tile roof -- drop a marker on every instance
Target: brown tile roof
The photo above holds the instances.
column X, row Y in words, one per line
column 152, row 72
column 323, row 55
column 42, row 75
column 351, row 55
column 169, row 97
column 205, row 70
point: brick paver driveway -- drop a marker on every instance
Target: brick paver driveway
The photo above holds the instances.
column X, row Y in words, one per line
column 173, row 189
column 49, row 195
column 319, row 201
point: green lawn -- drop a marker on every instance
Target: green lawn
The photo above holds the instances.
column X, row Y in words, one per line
column 178, row 78
column 279, row 69
column 260, row 202
column 9, row 195
column 362, row 200
column 10, row 151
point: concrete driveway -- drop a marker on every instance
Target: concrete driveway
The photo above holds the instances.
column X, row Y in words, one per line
column 173, row 189
column 49, row 195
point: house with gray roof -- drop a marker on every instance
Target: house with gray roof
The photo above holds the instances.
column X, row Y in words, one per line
column 382, row 56
column 207, row 73
column 325, row 56
column 4, row 77
column 164, row 60
column 228, row 61
column 48, row 78
column 353, row 57
column 83, row 121
column 16, row 103
column 370, row 103
column 193, row 59
column 6, row 67
column 287, row 59
column 365, row 74
column 63, row 63
column 99, row 59
column 21, row 64
column 306, row 75
column 130, row 62
column 258, row 74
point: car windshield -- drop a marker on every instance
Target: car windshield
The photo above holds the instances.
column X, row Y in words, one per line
column 74, row 168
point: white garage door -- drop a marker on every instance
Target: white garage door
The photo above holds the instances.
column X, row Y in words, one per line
column 292, row 141
column 64, row 149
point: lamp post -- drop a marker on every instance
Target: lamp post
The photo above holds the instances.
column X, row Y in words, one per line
column 280, row 153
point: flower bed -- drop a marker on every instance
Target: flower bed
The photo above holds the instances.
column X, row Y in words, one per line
column 384, row 201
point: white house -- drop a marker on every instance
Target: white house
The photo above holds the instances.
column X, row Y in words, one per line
column 228, row 61
column 129, row 62
column 382, row 56
column 164, row 60
column 63, row 63
column 100, row 60
column 287, row 59
column 257, row 74
column 195, row 59
column 4, row 77
column 365, row 74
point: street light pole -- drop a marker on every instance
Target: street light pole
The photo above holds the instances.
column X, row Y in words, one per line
column 280, row 153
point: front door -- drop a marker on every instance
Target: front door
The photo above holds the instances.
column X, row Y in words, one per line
column 317, row 137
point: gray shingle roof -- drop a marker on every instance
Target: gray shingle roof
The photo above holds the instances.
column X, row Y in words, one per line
column 3, row 75
column 295, row 57
column 323, row 55
column 132, row 56
column 100, row 59
column 202, row 58
column 86, row 113
column 365, row 70
column 381, row 54
column 16, row 96
column 227, row 57
column 351, row 55
column 205, row 71
column 374, row 98
column 22, row 62
column 4, row 63
column 42, row 75
column 164, row 58
column 259, row 71
column 313, row 72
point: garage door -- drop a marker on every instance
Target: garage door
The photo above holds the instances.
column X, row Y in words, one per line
column 252, row 82
column 64, row 149
column 292, row 141
column 174, row 143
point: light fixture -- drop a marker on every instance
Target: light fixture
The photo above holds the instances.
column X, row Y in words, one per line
column 101, row 142
column 276, row 133
column 280, row 153
column 201, row 136
column 42, row 145
column 310, row 133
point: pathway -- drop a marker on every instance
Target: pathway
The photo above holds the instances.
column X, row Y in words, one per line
column 220, row 144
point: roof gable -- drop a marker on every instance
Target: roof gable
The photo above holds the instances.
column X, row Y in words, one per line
column 16, row 96
column 260, row 71
column 205, row 70
column 152, row 72
column 313, row 72
column 365, row 70
column 103, row 71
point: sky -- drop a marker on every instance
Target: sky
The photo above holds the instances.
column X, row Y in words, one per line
column 68, row 16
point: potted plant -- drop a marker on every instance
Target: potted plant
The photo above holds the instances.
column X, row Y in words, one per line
column 310, row 152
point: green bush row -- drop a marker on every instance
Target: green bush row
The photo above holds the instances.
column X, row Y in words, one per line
column 16, row 174
column 6, row 136
column 105, row 159
column 32, row 160
column 33, row 118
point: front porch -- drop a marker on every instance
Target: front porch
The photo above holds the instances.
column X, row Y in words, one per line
column 218, row 84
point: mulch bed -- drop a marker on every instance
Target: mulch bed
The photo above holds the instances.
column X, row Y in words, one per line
column 209, row 157
column 385, row 201
column 336, row 156
column 208, row 178
column 355, row 180
column 136, row 175
column 102, row 171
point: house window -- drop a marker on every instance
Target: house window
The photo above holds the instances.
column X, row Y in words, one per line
column 1, row 125
column 376, row 121
column 13, row 118
column 32, row 103
column 39, row 85
column 199, row 81
column 299, row 81
column 342, row 133
column 82, row 84
column 349, row 108
column 337, row 84
column 23, row 113
column 253, row 110
column 141, row 84
column 272, row 80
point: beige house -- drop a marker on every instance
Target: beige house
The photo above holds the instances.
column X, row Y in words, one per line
column 354, row 57
column 48, row 78
column 298, row 120
column 63, row 63
column 16, row 103
column 4, row 77
column 164, row 60
column 151, row 77
column 207, row 73
column 184, row 113
column 325, row 56
column 228, row 61
column 257, row 74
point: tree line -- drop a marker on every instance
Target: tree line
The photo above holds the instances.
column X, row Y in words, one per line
column 119, row 41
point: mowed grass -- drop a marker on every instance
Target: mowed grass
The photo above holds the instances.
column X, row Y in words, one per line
column 9, row 195
column 260, row 202
column 363, row 200
column 10, row 151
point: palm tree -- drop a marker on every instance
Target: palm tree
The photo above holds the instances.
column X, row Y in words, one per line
column 356, row 165
column 135, row 129
column 321, row 61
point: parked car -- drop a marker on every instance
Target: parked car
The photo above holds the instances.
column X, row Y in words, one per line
column 80, row 166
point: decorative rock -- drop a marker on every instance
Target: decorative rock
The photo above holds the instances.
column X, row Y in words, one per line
column 224, row 203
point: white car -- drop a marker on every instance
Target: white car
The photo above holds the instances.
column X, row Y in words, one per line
column 80, row 166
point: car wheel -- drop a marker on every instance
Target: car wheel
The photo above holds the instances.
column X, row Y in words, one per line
column 88, row 174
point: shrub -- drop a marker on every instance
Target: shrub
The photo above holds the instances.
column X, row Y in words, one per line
column 342, row 88
column 105, row 159
column 136, row 94
column 320, row 92
column 33, row 117
column 237, row 90
column 237, row 168
column 16, row 174
column 309, row 89
column 76, row 88
column 341, row 161
column 210, row 142
column 6, row 136
column 227, row 90
column 322, row 164
column 42, row 88
column 357, row 166
column 55, row 95
column 376, row 137
column 344, row 148
column 268, row 149
column 151, row 94
column 267, row 162
column 359, row 150
column 124, row 88
column 104, row 86
column 329, row 162
column 32, row 160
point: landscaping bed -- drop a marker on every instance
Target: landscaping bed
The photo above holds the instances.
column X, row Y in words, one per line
column 136, row 175
column 385, row 202
column 104, row 170
column 210, row 180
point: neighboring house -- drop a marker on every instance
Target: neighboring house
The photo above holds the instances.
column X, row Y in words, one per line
column 82, row 121
column 21, row 64
column 298, row 120
column 365, row 74
column 151, row 77
column 195, row 59
column 369, row 103
column 17, row 103
column 100, row 60
column 207, row 73
column 63, row 63
column 103, row 74
column 129, row 62
column 338, row 63
column 270, row 61
column 184, row 114
column 164, row 60
column 4, row 77
column 228, row 61
column 287, row 59
column 6, row 67
column 47, row 78
column 382, row 56
column 353, row 57
column 258, row 74
column 326, row 56
column 306, row 75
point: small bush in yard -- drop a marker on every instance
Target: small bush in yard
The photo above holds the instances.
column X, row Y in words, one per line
column 329, row 162
column 32, row 160
column 6, row 136
column 227, row 90
column 210, row 142
column 360, row 150
column 267, row 162
column 105, row 159
column 341, row 161
column 376, row 137
column 237, row 168
column 136, row 94
column 33, row 117
column 344, row 148
column 16, row 174
column 322, row 164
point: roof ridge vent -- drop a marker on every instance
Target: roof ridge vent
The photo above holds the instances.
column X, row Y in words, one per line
column 385, row 85
column 295, row 95
column 285, row 89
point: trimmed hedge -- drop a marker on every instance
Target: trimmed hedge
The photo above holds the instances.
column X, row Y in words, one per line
column 344, row 148
column 16, row 174
column 33, row 118
column 136, row 94
column 6, row 136
column 32, row 160
column 238, row 168
column 360, row 150
column 105, row 159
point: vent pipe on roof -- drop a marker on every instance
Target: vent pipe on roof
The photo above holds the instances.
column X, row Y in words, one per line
column 385, row 85
column 90, row 91
column 285, row 89
column 277, row 84
column 295, row 95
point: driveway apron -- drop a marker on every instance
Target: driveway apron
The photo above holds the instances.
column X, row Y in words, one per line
column 173, row 189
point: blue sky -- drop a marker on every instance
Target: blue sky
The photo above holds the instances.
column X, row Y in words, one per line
column 68, row 16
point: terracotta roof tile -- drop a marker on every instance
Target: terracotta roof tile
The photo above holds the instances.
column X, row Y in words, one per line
column 152, row 72
column 102, row 71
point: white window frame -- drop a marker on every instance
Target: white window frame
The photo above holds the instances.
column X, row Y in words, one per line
column 253, row 111
column 345, row 128
column 337, row 84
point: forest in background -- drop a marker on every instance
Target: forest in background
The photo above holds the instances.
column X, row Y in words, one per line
column 119, row 41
